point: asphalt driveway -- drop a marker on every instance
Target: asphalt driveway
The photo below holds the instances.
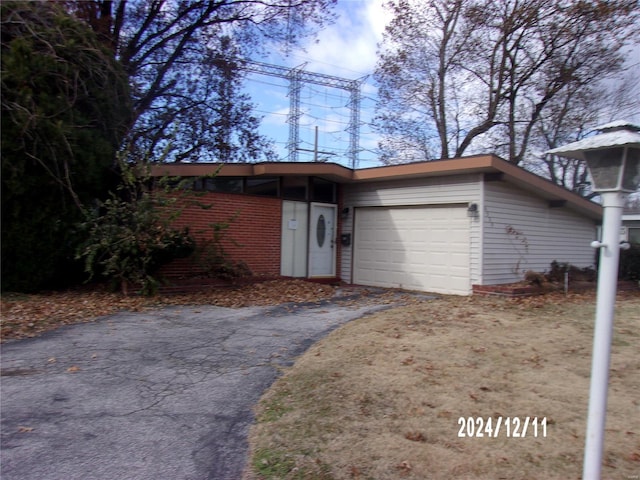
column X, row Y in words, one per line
column 166, row 394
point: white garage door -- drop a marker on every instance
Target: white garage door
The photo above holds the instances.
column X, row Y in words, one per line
column 421, row 248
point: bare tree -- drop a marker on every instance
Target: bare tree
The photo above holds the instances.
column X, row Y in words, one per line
column 459, row 76
column 419, row 73
column 167, row 47
column 571, row 116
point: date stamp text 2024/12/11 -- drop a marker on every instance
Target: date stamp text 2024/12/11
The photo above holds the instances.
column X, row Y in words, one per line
column 508, row 427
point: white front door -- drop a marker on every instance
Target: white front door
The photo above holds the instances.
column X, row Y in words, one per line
column 322, row 236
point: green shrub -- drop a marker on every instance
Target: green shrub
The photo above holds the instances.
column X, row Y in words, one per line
column 630, row 264
column 129, row 236
column 65, row 109
column 211, row 258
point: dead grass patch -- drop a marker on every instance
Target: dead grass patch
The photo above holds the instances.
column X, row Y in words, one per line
column 381, row 397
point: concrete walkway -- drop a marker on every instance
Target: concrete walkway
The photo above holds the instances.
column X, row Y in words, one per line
column 164, row 394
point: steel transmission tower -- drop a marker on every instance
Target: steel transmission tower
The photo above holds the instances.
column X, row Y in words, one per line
column 297, row 76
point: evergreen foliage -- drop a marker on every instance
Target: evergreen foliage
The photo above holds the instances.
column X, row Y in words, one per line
column 65, row 108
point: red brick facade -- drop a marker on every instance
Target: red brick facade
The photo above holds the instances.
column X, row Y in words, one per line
column 252, row 237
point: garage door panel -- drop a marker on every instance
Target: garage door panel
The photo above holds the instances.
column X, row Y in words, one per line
column 457, row 236
column 461, row 262
column 414, row 248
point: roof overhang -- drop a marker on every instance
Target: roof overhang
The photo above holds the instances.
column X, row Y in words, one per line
column 329, row 171
column 506, row 171
column 455, row 166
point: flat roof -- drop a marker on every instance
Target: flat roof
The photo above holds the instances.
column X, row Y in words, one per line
column 330, row 171
column 340, row 174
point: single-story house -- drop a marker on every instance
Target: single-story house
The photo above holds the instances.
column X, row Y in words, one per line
column 441, row 226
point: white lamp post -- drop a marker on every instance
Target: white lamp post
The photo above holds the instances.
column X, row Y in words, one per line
column 613, row 159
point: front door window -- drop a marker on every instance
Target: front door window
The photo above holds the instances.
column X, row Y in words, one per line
column 321, row 231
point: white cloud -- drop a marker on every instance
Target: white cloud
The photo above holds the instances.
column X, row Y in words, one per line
column 348, row 47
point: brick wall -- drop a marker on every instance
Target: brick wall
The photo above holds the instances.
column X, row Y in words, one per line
column 255, row 230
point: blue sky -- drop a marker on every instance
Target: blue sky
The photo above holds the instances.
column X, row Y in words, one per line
column 346, row 49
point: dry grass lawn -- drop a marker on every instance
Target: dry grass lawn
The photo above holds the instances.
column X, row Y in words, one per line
column 381, row 398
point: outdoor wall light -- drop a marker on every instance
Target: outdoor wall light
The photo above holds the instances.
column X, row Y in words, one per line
column 472, row 210
column 345, row 212
column 613, row 160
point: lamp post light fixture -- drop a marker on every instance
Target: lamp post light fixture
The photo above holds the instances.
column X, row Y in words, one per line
column 613, row 160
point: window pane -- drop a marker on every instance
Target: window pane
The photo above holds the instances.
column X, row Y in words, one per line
column 295, row 188
column 323, row 191
column 631, row 178
column 604, row 166
column 223, row 184
column 266, row 186
column 205, row 184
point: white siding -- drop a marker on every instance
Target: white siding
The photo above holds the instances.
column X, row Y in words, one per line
column 451, row 190
column 419, row 191
column 521, row 232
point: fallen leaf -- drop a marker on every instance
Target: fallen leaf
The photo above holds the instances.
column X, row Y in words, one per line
column 22, row 429
column 31, row 315
column 415, row 437
column 73, row 369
